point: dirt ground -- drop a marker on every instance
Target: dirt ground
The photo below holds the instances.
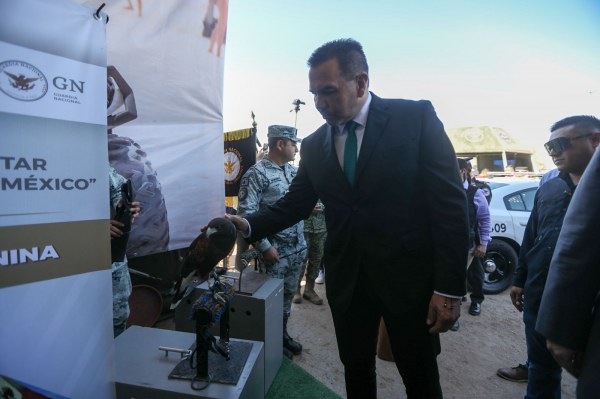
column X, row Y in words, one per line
column 468, row 362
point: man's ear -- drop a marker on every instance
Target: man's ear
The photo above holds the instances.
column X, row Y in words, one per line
column 362, row 81
column 280, row 144
column 596, row 140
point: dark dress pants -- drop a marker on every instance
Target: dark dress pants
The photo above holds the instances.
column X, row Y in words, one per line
column 475, row 279
column 588, row 385
column 414, row 348
column 544, row 372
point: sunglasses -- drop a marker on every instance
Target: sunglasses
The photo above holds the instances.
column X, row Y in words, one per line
column 561, row 144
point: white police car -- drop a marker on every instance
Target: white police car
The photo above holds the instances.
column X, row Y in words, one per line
column 510, row 207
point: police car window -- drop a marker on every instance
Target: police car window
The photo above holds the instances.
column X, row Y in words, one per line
column 528, row 197
column 494, row 185
column 520, row 201
column 514, row 202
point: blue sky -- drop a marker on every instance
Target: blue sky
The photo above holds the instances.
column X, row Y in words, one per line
column 518, row 65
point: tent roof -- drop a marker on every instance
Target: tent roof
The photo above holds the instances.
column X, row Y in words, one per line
column 484, row 139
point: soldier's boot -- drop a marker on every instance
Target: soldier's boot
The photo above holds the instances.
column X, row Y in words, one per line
column 297, row 297
column 310, row 294
column 288, row 342
column 287, row 353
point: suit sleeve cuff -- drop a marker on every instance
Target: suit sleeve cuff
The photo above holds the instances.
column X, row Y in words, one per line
column 447, row 296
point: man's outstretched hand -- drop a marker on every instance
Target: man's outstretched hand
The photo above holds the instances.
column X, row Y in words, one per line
column 241, row 224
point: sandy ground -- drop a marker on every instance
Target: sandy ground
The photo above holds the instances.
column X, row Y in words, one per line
column 468, row 362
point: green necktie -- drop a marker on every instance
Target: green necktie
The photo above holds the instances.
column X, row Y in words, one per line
column 350, row 150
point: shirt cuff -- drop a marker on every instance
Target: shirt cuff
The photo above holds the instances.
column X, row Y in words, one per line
column 263, row 245
column 448, row 296
column 249, row 229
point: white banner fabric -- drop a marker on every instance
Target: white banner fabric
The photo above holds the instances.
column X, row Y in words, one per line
column 168, row 131
column 55, row 277
column 64, row 89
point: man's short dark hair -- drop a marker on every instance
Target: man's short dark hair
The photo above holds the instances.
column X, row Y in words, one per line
column 273, row 141
column 348, row 52
column 462, row 163
column 579, row 121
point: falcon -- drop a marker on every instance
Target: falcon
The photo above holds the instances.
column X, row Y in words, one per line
column 212, row 245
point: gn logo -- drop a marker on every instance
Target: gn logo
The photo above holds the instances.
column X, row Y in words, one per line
column 23, row 81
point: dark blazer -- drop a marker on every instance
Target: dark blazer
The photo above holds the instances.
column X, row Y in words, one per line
column 403, row 227
column 566, row 314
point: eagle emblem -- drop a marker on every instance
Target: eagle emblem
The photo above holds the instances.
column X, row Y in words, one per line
column 233, row 165
column 21, row 82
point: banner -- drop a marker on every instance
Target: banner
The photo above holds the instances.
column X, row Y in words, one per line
column 55, row 272
column 165, row 119
column 240, row 155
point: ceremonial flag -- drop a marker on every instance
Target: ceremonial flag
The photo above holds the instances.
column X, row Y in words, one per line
column 240, row 155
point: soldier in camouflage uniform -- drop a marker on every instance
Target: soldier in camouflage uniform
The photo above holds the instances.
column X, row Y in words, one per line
column 262, row 185
column 315, row 233
column 121, row 281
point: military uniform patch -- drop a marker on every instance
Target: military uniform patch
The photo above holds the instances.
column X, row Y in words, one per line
column 242, row 194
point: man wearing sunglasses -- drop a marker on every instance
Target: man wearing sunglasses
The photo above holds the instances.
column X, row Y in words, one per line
column 572, row 144
column 569, row 315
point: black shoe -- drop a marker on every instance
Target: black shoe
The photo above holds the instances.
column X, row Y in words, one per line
column 287, row 353
column 455, row 326
column 291, row 345
column 475, row 309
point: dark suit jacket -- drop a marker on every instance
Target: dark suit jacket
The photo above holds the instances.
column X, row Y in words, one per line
column 403, row 228
column 566, row 313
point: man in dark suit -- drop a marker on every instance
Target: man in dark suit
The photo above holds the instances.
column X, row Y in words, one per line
column 396, row 216
column 569, row 315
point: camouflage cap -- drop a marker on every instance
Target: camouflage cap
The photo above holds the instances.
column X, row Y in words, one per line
column 285, row 132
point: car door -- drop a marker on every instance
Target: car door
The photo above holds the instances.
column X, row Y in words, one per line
column 519, row 205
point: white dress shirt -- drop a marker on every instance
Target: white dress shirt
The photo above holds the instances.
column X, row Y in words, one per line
column 340, row 133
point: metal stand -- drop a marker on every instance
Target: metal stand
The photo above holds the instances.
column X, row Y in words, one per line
column 256, row 314
column 224, row 330
column 210, row 308
column 141, row 369
column 203, row 338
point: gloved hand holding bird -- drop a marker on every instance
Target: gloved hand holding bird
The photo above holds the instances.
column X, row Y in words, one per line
column 212, row 245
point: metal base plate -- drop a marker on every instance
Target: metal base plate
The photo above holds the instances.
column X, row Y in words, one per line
column 219, row 370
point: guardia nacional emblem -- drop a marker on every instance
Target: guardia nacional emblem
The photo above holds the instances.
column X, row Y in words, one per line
column 233, row 165
column 22, row 81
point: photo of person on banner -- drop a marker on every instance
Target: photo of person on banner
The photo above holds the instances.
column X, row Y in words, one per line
column 151, row 234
